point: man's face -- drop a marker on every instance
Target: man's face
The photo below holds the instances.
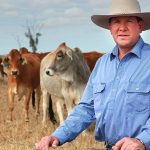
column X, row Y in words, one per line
column 125, row 31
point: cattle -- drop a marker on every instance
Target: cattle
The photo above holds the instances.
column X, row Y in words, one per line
column 63, row 74
column 3, row 73
column 23, row 77
column 91, row 58
column 24, row 50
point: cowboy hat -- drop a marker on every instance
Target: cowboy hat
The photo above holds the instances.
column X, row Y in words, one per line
column 122, row 8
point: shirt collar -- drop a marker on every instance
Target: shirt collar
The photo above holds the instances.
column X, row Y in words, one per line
column 136, row 50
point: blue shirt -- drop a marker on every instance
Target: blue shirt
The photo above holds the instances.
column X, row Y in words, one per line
column 117, row 96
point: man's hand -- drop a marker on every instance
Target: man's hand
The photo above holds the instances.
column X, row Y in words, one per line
column 46, row 142
column 129, row 144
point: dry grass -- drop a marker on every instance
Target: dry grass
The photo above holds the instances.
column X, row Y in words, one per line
column 19, row 135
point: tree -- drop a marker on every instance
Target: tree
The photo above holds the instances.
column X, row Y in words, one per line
column 33, row 35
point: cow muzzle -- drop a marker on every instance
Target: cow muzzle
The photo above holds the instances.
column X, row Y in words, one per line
column 14, row 73
column 49, row 72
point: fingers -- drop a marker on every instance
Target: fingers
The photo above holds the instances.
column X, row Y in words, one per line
column 43, row 144
column 119, row 144
column 128, row 144
column 41, row 147
column 46, row 142
column 55, row 143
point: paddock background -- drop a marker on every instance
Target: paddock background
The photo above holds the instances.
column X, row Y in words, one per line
column 19, row 135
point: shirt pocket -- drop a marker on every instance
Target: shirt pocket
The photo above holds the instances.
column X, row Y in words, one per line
column 138, row 97
column 98, row 87
column 99, row 94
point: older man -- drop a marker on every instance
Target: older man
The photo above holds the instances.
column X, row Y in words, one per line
column 117, row 94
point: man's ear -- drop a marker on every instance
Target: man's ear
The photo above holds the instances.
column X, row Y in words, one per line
column 109, row 27
column 141, row 25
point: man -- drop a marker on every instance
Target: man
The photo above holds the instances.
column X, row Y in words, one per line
column 117, row 94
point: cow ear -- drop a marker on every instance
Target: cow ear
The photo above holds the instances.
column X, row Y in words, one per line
column 62, row 44
column 78, row 52
column 23, row 61
column 5, row 61
column 69, row 53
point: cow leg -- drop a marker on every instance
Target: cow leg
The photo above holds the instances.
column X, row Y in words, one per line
column 51, row 112
column 45, row 97
column 60, row 108
column 69, row 104
column 38, row 97
column 2, row 74
column 67, row 93
column 27, row 100
column 10, row 103
column 33, row 99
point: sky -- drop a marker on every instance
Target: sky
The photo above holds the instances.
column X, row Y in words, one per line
column 58, row 21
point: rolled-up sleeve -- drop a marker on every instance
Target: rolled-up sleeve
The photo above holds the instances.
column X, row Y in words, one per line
column 145, row 134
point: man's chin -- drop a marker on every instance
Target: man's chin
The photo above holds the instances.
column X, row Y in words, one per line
column 123, row 43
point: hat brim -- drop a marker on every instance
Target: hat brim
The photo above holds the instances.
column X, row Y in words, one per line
column 102, row 20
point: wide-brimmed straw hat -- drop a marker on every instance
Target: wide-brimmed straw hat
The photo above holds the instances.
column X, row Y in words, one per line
column 122, row 8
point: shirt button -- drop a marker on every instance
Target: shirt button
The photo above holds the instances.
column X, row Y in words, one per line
column 137, row 89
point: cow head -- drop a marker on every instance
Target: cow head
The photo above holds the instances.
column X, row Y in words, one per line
column 59, row 60
column 23, row 50
column 13, row 61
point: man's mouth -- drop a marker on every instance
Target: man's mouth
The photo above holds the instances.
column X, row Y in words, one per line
column 122, row 35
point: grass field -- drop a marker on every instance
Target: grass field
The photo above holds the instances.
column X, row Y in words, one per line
column 20, row 135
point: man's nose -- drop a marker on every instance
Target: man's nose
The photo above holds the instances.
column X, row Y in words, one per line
column 123, row 26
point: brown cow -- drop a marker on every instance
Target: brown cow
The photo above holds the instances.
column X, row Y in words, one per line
column 24, row 50
column 23, row 78
column 91, row 58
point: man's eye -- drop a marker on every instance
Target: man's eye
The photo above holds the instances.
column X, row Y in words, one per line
column 116, row 21
column 130, row 21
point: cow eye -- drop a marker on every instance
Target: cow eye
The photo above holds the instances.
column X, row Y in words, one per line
column 60, row 55
column 21, row 60
column 7, row 65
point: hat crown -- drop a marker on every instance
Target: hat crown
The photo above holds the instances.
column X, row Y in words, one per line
column 124, row 7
